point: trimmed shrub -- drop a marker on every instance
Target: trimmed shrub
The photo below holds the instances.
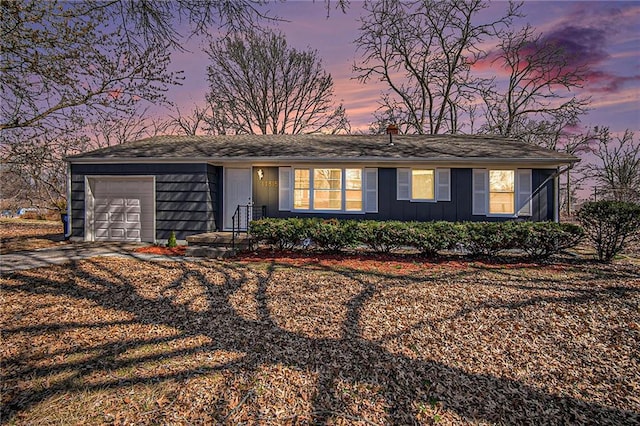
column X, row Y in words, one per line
column 610, row 225
column 281, row 234
column 541, row 240
column 382, row 236
column 431, row 237
column 332, row 234
column 488, row 238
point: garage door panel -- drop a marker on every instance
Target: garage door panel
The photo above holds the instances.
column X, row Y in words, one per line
column 133, row 202
column 102, row 233
column 116, row 217
column 133, row 217
column 133, row 234
column 117, row 233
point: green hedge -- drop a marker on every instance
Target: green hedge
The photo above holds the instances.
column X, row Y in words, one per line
column 539, row 240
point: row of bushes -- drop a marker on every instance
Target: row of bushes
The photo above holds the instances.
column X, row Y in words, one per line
column 538, row 239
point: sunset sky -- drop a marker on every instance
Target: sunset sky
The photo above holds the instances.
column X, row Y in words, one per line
column 606, row 35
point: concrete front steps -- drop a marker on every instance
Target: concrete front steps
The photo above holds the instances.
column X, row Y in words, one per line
column 217, row 244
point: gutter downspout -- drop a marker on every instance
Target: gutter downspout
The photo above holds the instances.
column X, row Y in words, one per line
column 556, row 195
column 67, row 235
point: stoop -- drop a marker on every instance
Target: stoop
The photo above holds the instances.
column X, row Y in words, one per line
column 218, row 245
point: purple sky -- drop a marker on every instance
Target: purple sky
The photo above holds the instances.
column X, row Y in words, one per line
column 606, row 35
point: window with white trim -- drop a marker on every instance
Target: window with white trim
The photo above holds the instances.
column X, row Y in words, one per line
column 327, row 189
column 423, row 184
column 502, row 192
column 418, row 184
column 353, row 189
column 301, row 189
column 333, row 189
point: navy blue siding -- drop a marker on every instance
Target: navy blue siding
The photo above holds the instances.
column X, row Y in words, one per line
column 543, row 198
column 186, row 195
column 459, row 209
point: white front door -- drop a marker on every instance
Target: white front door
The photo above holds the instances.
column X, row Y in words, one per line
column 237, row 192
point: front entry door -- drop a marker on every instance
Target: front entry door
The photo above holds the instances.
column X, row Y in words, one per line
column 237, row 191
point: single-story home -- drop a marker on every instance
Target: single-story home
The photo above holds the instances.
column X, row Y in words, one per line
column 143, row 190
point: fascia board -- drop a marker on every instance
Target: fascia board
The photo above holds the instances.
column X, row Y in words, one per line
column 367, row 160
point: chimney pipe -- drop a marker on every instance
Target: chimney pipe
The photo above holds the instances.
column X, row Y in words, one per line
column 392, row 129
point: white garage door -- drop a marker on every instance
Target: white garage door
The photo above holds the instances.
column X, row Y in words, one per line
column 121, row 209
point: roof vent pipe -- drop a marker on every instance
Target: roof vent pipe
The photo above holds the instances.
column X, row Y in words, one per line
column 392, row 129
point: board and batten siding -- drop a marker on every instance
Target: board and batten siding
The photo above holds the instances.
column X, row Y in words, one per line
column 458, row 209
column 187, row 195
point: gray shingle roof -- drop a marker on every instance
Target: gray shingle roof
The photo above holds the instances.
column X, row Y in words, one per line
column 356, row 148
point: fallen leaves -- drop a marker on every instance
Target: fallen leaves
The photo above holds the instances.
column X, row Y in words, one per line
column 19, row 235
column 293, row 340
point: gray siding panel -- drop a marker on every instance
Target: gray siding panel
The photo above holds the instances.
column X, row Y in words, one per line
column 188, row 206
column 181, row 196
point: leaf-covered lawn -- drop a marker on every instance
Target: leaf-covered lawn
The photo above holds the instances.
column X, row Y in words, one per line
column 19, row 235
column 123, row 341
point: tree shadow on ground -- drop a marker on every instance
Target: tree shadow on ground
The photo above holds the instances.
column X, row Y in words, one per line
column 403, row 384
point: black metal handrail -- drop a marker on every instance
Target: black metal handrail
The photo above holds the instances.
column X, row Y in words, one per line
column 242, row 217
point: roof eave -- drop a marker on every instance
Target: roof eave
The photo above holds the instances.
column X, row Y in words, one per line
column 276, row 160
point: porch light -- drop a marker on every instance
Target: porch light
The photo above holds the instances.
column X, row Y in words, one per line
column 260, row 173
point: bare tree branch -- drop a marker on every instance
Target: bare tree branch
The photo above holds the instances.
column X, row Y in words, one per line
column 541, row 72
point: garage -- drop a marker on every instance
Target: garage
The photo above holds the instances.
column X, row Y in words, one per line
column 120, row 209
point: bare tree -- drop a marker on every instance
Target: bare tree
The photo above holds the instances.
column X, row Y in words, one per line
column 34, row 171
column 108, row 129
column 423, row 50
column 65, row 63
column 541, row 74
column 617, row 172
column 192, row 124
column 258, row 84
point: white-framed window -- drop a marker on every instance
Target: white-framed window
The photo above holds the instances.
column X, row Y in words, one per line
column 423, row 184
column 301, row 189
column 502, row 192
column 331, row 189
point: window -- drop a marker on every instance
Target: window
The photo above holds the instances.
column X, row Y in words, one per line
column 502, row 191
column 353, row 189
column 422, row 185
column 301, row 186
column 327, row 189
column 331, row 189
